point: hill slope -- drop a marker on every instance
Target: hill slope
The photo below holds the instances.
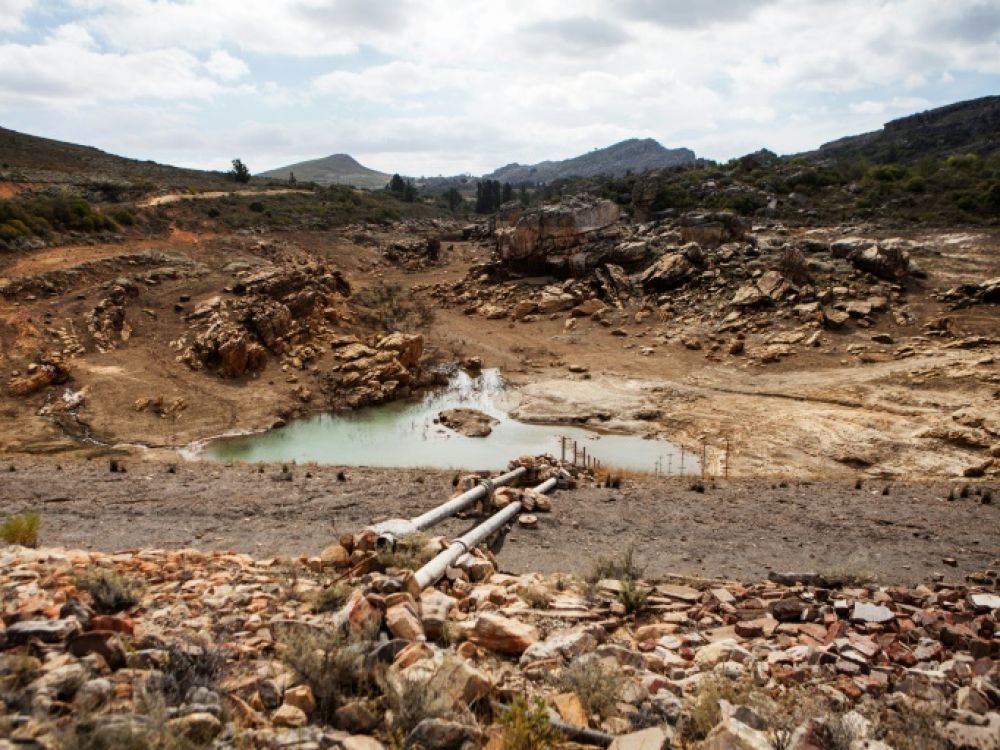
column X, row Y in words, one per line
column 971, row 126
column 30, row 157
column 338, row 169
column 634, row 155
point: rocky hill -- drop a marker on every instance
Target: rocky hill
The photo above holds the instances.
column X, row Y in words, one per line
column 338, row 169
column 964, row 127
column 26, row 157
column 634, row 155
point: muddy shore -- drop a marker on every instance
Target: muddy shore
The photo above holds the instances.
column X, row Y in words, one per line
column 740, row 529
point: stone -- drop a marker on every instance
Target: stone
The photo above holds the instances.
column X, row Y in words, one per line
column 46, row 631
column 732, row 734
column 102, row 642
column 440, row 734
column 360, row 742
column 358, row 615
column 973, row 737
column 408, row 347
column 199, row 727
column 403, row 622
column 290, row 717
column 983, row 602
column 570, row 709
column 527, row 521
column 654, row 738
column 434, row 609
column 874, row 613
column 301, row 696
column 335, row 555
column 720, row 651
column 833, row 318
column 94, row 694
column 565, row 644
column 357, row 717
column 503, row 634
column 669, row 272
column 468, row 422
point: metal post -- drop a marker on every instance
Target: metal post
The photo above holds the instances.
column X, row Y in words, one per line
column 704, row 457
column 585, row 457
column 562, row 448
column 682, row 460
column 727, row 458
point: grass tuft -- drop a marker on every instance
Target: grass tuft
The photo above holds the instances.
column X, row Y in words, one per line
column 22, row 529
column 109, row 591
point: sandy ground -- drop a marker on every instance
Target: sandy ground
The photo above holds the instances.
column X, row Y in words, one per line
column 823, row 413
column 738, row 529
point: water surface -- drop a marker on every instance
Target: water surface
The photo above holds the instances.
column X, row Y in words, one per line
column 404, row 434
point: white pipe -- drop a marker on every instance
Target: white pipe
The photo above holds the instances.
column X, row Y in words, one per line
column 394, row 528
column 436, row 568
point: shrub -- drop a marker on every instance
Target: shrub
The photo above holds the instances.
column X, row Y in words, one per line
column 598, row 687
column 329, row 663
column 702, row 710
column 22, row 529
column 410, row 553
column 387, row 308
column 123, row 216
column 619, row 569
column 536, row 597
column 412, row 701
column 109, row 591
column 331, row 598
column 257, row 207
column 191, row 665
column 526, row 726
column 632, row 596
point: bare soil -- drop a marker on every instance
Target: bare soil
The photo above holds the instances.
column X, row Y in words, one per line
column 739, row 529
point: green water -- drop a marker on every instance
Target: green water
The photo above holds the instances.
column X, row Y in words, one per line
column 404, row 434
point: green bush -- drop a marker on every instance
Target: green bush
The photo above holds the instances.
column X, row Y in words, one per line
column 22, row 529
column 526, row 726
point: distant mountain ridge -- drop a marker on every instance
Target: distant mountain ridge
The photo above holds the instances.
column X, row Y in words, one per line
column 336, row 169
column 31, row 157
column 971, row 126
column 632, row 155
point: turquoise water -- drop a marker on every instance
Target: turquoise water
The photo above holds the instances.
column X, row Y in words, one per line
column 404, row 434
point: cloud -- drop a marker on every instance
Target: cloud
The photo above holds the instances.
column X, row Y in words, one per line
column 68, row 69
column 225, row 67
column 573, row 35
column 684, row 13
column 896, row 104
column 12, row 13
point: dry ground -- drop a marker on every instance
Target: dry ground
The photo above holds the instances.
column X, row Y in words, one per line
column 740, row 529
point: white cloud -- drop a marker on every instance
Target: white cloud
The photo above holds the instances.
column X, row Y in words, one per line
column 428, row 86
column 12, row 14
column 225, row 67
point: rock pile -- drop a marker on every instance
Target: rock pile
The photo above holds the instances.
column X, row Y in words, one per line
column 340, row 651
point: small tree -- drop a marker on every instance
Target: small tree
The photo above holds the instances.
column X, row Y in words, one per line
column 291, row 178
column 453, row 198
column 397, row 185
column 240, row 172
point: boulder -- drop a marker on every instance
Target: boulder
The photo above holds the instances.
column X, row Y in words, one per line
column 713, row 229
column 732, row 734
column 502, row 634
column 468, row 422
column 669, row 272
column 408, row 347
column 654, row 738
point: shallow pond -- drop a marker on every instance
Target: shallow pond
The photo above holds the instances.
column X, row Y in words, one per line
column 404, row 434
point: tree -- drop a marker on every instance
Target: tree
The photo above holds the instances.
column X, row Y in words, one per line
column 240, row 172
column 409, row 192
column 508, row 193
column 523, row 195
column 397, row 185
column 453, row 199
column 291, row 178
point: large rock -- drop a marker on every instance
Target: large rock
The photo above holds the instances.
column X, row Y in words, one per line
column 669, row 272
column 503, row 634
column 654, row 738
column 468, row 422
column 543, row 240
column 409, row 347
column 735, row 735
column 713, row 229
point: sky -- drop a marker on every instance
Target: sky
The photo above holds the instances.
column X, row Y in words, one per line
column 428, row 87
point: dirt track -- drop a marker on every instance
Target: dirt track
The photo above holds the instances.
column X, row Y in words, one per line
column 739, row 529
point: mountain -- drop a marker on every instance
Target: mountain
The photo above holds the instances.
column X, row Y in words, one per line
column 338, row 169
column 971, row 126
column 32, row 158
column 634, row 155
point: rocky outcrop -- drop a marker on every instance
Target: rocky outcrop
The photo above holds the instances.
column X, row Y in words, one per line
column 560, row 239
column 713, row 229
column 965, row 295
column 50, row 371
column 468, row 422
column 270, row 314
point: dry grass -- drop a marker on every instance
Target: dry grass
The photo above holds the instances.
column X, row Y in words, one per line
column 329, row 663
column 331, row 598
column 526, row 726
column 622, row 569
column 598, row 687
column 22, row 529
column 411, row 553
column 110, row 592
column 536, row 597
column 702, row 711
